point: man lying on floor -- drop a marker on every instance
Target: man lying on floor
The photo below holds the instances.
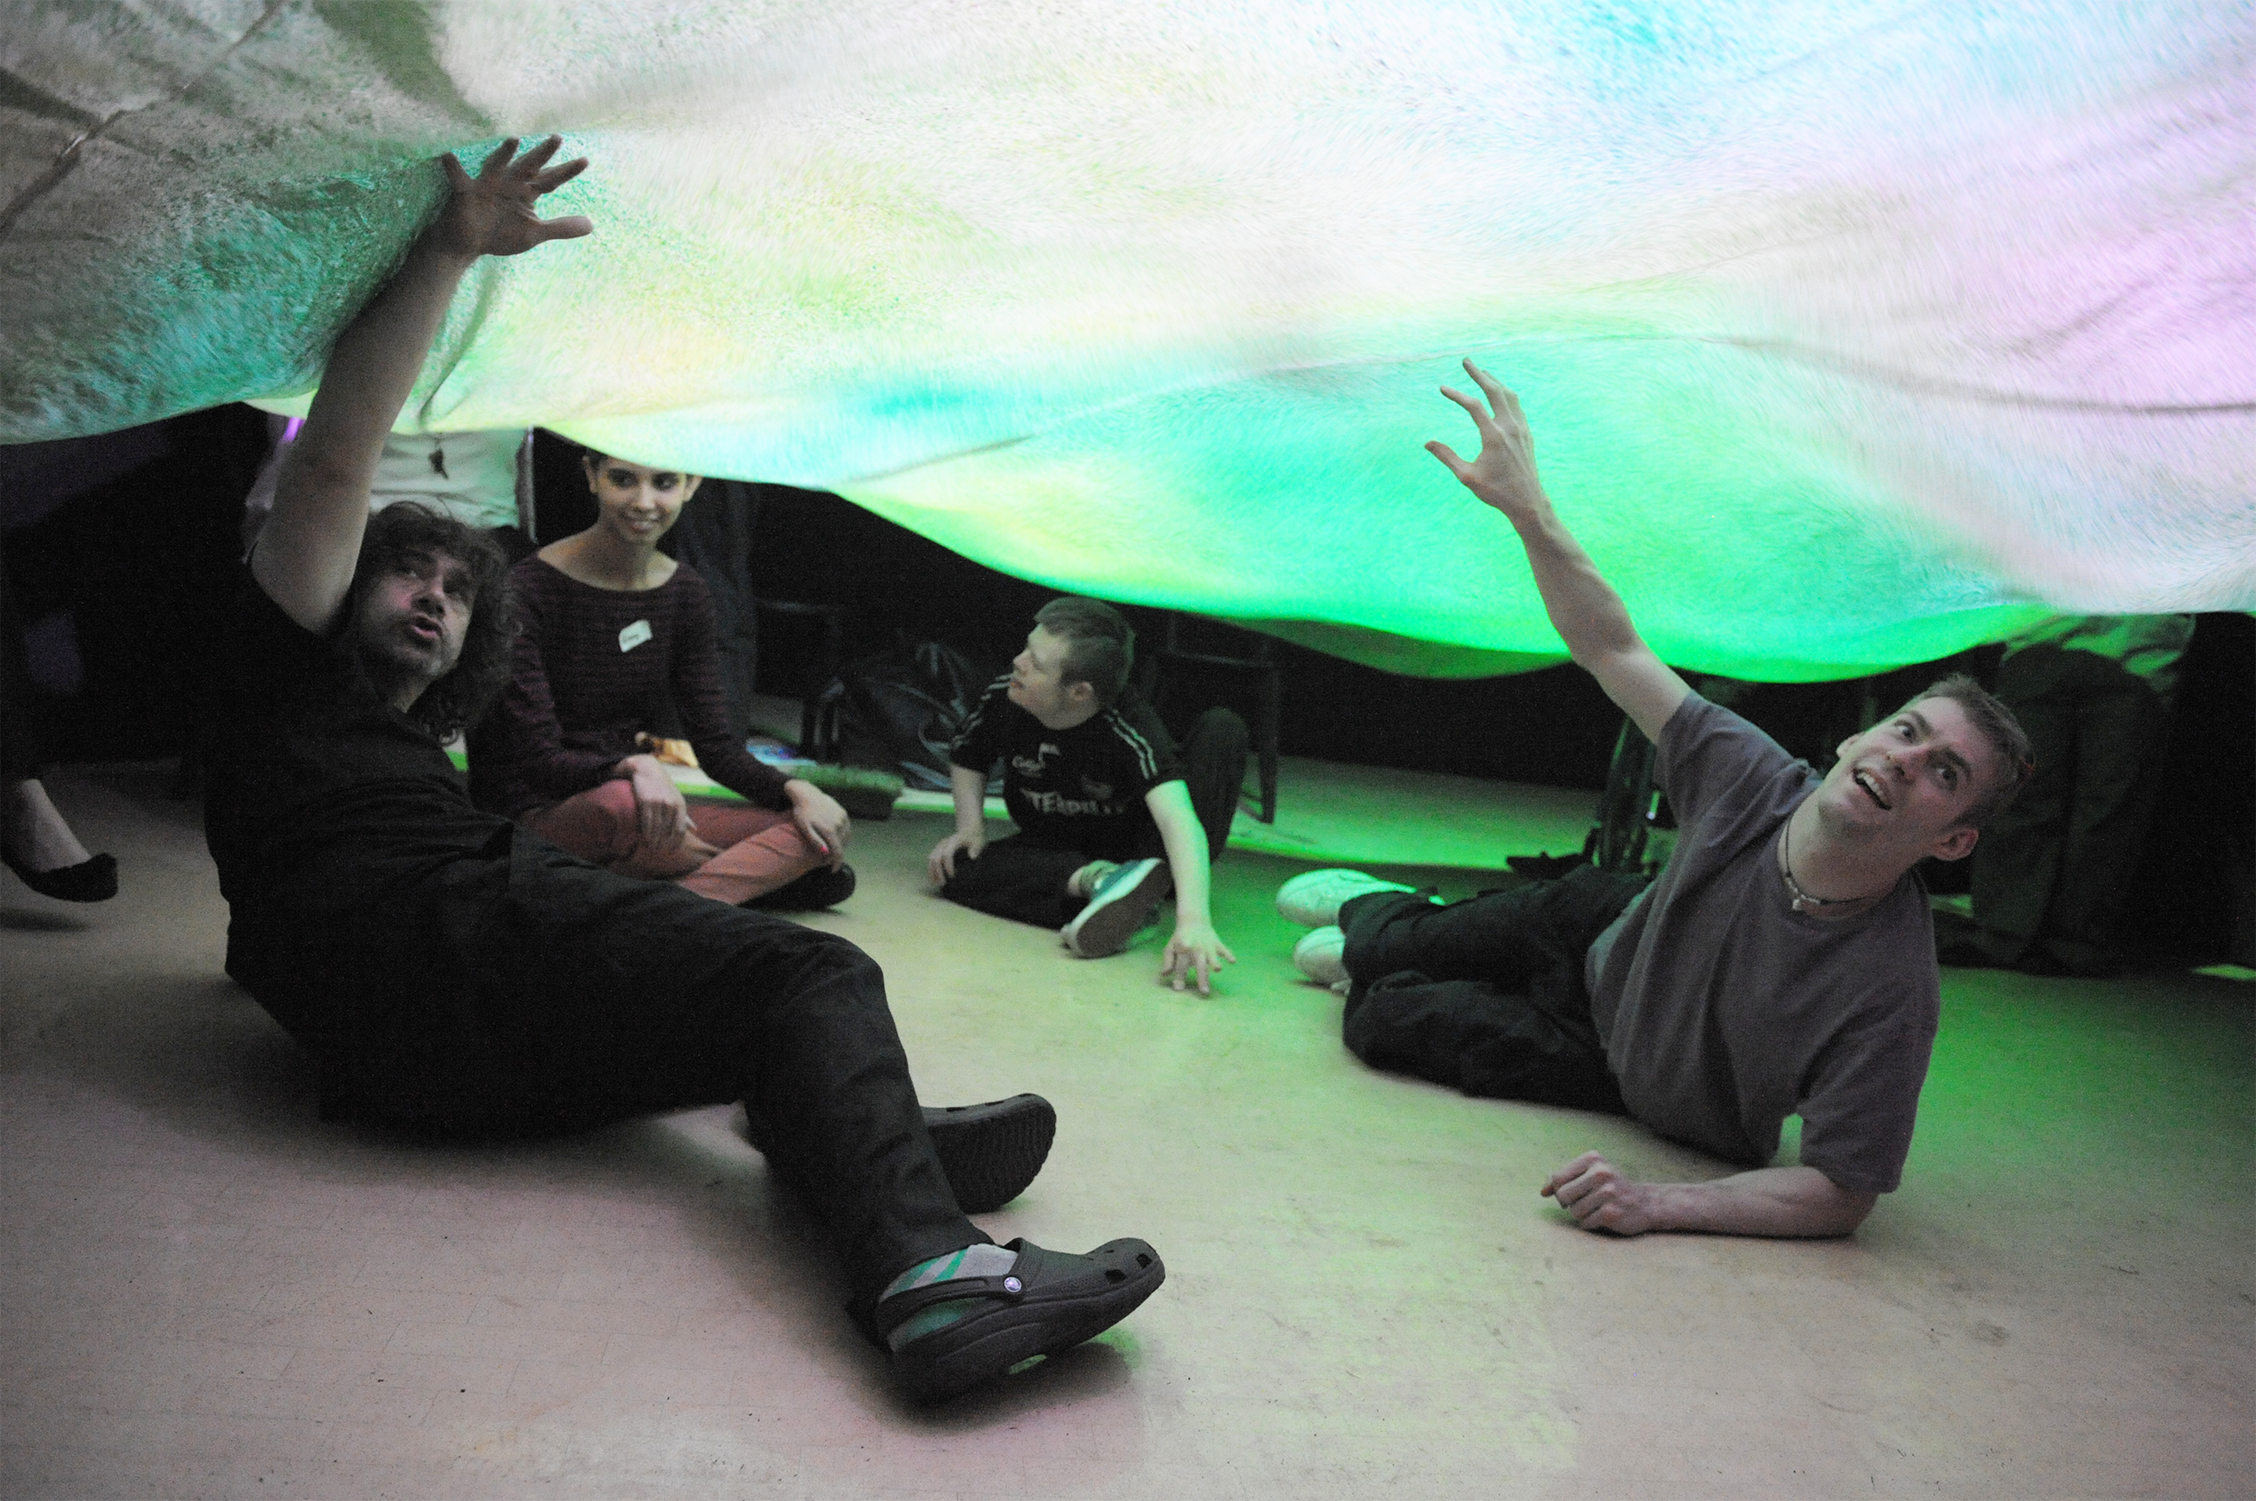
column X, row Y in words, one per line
column 449, row 970
column 1782, row 964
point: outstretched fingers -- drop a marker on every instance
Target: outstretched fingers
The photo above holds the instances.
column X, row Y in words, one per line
column 558, row 175
column 1491, row 387
column 1448, row 457
column 493, row 212
column 532, row 161
column 569, row 227
column 498, row 158
column 1477, row 410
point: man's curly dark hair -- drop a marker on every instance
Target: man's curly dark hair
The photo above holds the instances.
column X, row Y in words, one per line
column 402, row 533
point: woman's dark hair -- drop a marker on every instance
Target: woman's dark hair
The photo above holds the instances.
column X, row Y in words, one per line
column 1100, row 645
column 400, row 535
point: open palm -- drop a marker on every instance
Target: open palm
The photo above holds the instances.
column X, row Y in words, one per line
column 493, row 213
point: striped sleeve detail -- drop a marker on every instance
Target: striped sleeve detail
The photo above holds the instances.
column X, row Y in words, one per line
column 1146, row 754
column 978, row 715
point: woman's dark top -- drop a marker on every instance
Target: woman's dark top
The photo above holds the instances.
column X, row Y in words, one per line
column 592, row 668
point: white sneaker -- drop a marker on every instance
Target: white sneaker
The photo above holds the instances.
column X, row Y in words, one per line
column 1321, row 956
column 1314, row 900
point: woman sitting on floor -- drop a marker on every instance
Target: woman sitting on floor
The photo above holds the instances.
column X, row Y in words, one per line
column 608, row 625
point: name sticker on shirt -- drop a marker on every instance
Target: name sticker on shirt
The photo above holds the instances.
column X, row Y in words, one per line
column 634, row 635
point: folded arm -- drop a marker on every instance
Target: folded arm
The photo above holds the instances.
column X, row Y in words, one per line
column 1588, row 615
column 306, row 553
column 1774, row 1201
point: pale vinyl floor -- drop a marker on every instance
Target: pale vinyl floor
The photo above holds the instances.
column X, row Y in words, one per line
column 208, row 1292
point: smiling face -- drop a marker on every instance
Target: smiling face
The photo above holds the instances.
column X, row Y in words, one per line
column 1909, row 782
column 410, row 621
column 635, row 503
column 1037, row 683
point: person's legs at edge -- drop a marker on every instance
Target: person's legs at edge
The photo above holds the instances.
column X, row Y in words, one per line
column 2017, row 864
column 1214, row 763
column 1020, row 880
column 2122, row 731
column 35, row 839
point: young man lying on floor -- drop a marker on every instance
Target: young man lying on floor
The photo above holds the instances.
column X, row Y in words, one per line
column 451, row 971
column 1783, row 963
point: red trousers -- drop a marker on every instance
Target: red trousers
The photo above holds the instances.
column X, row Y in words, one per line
column 760, row 849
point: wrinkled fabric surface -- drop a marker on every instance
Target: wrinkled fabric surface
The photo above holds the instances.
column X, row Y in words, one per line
column 1849, row 331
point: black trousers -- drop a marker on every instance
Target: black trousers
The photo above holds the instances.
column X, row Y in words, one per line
column 2050, row 871
column 1485, row 995
column 19, row 741
column 524, row 990
column 1023, row 878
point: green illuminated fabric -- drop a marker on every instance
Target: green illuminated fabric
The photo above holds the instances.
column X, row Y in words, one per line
column 1849, row 331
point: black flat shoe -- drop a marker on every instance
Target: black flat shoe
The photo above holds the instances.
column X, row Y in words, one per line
column 812, row 892
column 991, row 1152
column 93, row 880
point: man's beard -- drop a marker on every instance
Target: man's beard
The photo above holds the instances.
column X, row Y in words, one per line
column 393, row 666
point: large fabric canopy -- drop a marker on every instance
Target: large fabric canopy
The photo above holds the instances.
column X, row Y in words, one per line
column 1852, row 332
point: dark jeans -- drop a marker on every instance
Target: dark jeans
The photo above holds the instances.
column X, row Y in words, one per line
column 525, row 989
column 19, row 741
column 1485, row 995
column 2049, row 871
column 1023, row 878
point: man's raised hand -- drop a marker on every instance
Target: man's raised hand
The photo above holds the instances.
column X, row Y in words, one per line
column 492, row 213
column 1503, row 472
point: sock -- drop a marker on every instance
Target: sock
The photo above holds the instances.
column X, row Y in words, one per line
column 1083, row 882
column 982, row 1260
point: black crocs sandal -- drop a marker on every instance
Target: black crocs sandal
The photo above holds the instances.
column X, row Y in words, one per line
column 1047, row 1303
column 991, row 1152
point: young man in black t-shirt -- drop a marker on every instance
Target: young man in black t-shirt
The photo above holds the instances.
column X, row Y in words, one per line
column 451, row 971
column 1109, row 818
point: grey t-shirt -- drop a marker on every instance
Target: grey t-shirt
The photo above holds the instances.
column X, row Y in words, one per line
column 1723, row 1010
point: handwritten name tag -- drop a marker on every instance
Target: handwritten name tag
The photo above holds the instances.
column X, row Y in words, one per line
column 634, row 635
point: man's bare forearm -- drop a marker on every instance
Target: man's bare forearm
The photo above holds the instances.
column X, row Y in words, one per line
column 968, row 789
column 1188, row 858
column 1780, row 1201
column 1777, row 1201
column 307, row 552
column 374, row 364
column 1584, row 609
column 308, row 549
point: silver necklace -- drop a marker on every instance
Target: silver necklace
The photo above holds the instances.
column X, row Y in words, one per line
column 1803, row 901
